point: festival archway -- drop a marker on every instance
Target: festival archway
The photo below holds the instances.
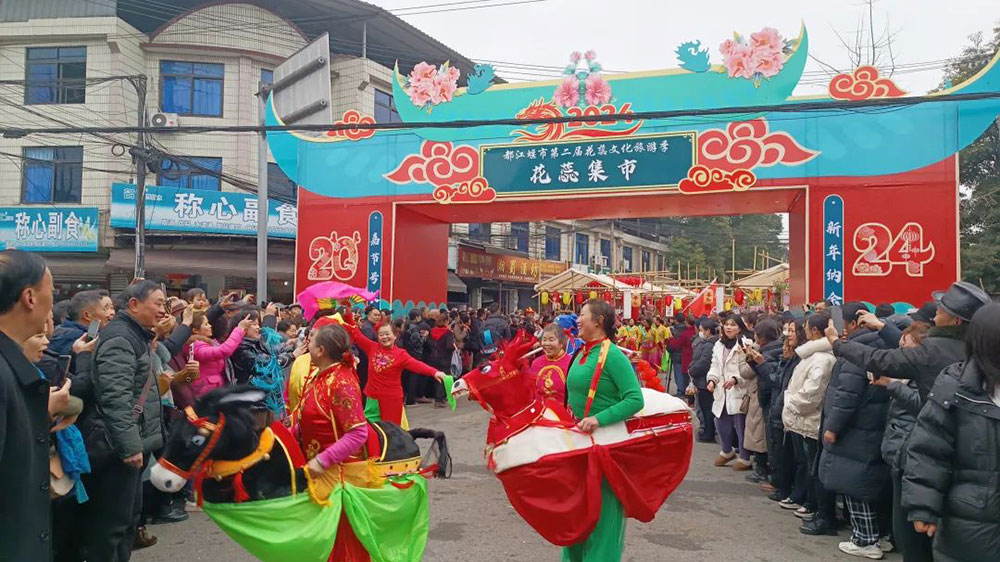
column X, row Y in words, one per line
column 871, row 190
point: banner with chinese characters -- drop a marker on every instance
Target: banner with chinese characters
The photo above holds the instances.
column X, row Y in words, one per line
column 477, row 263
column 640, row 161
column 199, row 210
column 49, row 229
column 375, row 252
column 833, row 244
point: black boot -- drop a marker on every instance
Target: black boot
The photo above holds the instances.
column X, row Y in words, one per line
column 819, row 526
column 170, row 513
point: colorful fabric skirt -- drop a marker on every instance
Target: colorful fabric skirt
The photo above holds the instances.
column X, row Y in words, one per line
column 391, row 522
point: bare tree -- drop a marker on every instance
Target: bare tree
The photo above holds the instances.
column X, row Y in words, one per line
column 868, row 46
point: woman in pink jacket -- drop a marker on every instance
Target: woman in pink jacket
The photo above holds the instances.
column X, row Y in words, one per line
column 211, row 355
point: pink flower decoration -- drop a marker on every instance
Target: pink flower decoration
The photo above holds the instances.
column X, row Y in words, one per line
column 567, row 94
column 740, row 62
column 590, row 55
column 767, row 38
column 443, row 89
column 423, row 71
column 727, row 46
column 453, row 73
column 574, row 57
column 767, row 63
column 598, row 90
column 420, row 92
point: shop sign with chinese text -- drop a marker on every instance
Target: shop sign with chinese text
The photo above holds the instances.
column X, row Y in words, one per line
column 199, row 210
column 477, row 263
column 49, row 229
column 641, row 161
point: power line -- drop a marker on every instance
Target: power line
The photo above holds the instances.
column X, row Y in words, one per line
column 863, row 106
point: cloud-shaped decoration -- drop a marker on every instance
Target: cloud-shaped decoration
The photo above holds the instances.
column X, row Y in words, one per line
column 480, row 78
column 692, row 57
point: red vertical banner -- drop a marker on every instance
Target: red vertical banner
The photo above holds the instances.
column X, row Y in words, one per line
column 900, row 239
column 332, row 242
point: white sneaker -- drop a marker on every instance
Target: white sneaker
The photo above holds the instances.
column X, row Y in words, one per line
column 885, row 545
column 870, row 551
column 787, row 503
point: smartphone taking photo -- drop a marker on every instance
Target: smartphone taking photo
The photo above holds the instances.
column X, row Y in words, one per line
column 62, row 371
column 837, row 314
column 95, row 326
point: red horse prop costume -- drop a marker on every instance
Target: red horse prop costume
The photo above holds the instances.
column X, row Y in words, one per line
column 552, row 471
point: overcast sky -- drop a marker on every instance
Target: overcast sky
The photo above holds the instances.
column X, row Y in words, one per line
column 648, row 31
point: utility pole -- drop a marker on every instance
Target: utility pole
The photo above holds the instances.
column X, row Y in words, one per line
column 734, row 261
column 140, row 156
column 263, row 204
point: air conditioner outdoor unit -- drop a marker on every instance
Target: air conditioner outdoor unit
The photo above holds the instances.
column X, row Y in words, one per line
column 168, row 120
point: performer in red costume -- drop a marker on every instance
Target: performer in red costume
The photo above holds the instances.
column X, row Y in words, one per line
column 332, row 422
column 386, row 364
column 550, row 369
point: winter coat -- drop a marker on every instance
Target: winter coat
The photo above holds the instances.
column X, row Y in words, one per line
column 922, row 364
column 765, row 372
column 120, row 369
column 680, row 344
column 855, row 412
column 25, row 520
column 779, row 377
column 804, row 396
column 755, row 436
column 212, row 357
column 952, row 474
column 442, row 349
column 244, row 360
column 729, row 364
column 701, row 360
column 498, row 330
column 904, row 406
column 64, row 336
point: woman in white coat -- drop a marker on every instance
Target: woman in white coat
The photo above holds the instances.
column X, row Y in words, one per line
column 728, row 381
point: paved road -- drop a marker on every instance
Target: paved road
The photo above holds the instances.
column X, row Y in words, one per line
column 714, row 515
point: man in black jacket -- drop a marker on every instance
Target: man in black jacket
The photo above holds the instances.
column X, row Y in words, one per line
column 413, row 343
column 943, row 346
column 25, row 511
column 701, row 361
column 126, row 424
column 852, row 425
column 494, row 330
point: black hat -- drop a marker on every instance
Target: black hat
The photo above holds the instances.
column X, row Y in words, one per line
column 925, row 313
column 884, row 310
column 962, row 299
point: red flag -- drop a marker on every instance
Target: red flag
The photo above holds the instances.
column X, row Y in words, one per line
column 704, row 303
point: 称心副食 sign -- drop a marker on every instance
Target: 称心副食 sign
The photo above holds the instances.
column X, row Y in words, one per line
column 199, row 210
column 49, row 229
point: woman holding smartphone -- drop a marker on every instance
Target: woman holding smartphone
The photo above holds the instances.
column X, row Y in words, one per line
column 728, row 381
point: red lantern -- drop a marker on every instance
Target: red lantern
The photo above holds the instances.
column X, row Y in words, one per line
column 668, row 301
column 579, row 298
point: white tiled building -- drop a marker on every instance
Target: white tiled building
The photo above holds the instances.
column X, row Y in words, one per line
column 586, row 245
column 204, row 61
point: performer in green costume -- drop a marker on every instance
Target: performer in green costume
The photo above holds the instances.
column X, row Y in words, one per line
column 616, row 397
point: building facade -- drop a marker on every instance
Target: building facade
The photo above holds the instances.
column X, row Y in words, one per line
column 544, row 248
column 72, row 63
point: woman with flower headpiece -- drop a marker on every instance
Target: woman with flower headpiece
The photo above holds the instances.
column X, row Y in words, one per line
column 386, row 364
